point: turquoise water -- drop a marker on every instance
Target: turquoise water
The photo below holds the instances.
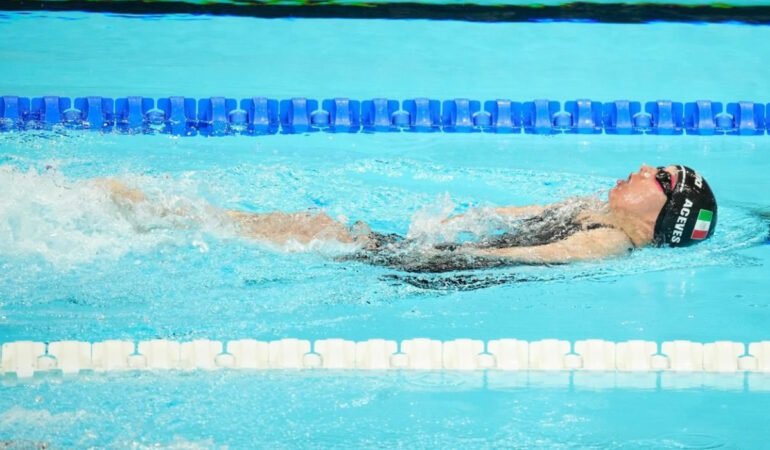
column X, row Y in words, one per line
column 225, row 287
column 338, row 410
column 74, row 267
column 198, row 57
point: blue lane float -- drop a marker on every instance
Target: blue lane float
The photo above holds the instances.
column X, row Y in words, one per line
column 220, row 116
column 624, row 117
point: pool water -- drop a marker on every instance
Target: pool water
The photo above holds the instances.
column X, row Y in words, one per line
column 200, row 56
column 75, row 267
column 364, row 410
column 225, row 286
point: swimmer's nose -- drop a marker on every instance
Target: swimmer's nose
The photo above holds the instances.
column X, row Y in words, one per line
column 646, row 170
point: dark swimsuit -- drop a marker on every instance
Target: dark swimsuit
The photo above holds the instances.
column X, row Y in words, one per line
column 392, row 250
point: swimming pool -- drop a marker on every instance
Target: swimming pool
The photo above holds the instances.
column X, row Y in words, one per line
column 204, row 283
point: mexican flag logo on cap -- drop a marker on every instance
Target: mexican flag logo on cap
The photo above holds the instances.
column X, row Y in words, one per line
column 702, row 226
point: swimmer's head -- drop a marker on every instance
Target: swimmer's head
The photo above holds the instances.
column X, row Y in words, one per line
column 689, row 215
column 636, row 203
column 648, row 205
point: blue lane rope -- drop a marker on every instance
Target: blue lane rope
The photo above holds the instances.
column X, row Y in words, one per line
column 219, row 116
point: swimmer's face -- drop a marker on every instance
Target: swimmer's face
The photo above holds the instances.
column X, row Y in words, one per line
column 641, row 194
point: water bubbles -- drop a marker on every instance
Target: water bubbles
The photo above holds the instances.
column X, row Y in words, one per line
column 201, row 246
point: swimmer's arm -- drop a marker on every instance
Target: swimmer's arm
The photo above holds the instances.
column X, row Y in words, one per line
column 516, row 211
column 119, row 191
column 281, row 227
column 536, row 210
column 583, row 246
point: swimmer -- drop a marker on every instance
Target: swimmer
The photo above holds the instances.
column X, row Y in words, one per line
column 669, row 206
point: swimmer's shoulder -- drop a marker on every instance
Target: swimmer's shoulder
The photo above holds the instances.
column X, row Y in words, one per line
column 605, row 239
column 598, row 229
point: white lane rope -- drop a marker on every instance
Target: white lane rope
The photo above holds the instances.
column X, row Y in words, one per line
column 24, row 359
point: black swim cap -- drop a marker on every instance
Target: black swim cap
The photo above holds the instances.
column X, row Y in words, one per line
column 690, row 214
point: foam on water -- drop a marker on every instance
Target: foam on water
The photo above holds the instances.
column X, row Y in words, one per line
column 428, row 219
column 66, row 222
column 176, row 443
column 19, row 421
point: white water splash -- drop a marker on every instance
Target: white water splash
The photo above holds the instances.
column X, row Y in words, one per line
column 427, row 224
column 17, row 418
column 437, row 223
column 65, row 222
column 325, row 247
column 178, row 443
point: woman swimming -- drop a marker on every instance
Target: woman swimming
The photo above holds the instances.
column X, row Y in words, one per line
column 664, row 206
